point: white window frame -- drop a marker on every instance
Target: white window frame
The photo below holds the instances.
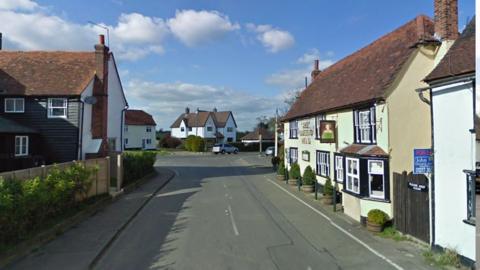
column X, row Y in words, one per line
column 292, row 156
column 23, row 143
column 14, row 100
column 370, row 179
column 318, row 119
column 229, row 129
column 209, row 129
column 365, row 132
column 323, row 163
column 148, row 141
column 149, row 129
column 339, row 177
column 50, row 108
column 352, row 175
column 293, row 129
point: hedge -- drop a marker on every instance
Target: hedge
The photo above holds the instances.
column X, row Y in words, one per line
column 194, row 144
column 136, row 165
column 26, row 205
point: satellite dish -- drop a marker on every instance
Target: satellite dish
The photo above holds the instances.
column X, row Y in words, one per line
column 90, row 100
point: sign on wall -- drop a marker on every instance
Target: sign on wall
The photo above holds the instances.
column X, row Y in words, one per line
column 422, row 161
column 306, row 132
column 305, row 155
column 327, row 131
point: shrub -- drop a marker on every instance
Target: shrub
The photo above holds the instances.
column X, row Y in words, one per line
column 136, row 165
column 188, row 142
column 328, row 188
column 294, row 171
column 308, row 176
column 197, row 144
column 169, row 142
column 281, row 168
column 378, row 217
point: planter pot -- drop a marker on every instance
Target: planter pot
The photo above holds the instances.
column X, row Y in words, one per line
column 373, row 227
column 292, row 182
column 280, row 177
column 307, row 188
column 327, row 199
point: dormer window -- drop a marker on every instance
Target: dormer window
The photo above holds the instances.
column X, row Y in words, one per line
column 57, row 107
column 14, row 105
column 364, row 126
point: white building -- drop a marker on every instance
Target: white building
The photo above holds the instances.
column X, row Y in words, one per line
column 452, row 96
column 213, row 125
column 140, row 132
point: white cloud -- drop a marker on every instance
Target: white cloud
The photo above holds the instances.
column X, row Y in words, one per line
column 166, row 101
column 273, row 39
column 198, row 27
column 136, row 28
column 18, row 5
column 309, row 57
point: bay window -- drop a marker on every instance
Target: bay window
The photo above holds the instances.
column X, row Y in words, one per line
column 353, row 175
column 376, row 179
column 364, row 126
column 323, row 163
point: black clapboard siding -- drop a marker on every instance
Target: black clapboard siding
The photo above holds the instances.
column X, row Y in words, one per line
column 59, row 135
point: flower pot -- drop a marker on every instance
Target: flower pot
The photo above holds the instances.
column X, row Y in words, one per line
column 292, row 182
column 373, row 227
column 327, row 199
column 280, row 177
column 307, row 188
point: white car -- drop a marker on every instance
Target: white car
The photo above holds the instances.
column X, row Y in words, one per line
column 224, row 148
column 270, row 150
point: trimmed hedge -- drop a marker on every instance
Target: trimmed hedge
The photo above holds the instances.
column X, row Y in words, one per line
column 136, row 165
column 308, row 176
column 30, row 204
column 328, row 187
column 294, row 171
column 194, row 144
column 378, row 217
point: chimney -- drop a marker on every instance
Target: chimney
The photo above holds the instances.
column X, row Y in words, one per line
column 187, row 110
column 100, row 91
column 446, row 19
column 214, row 109
column 316, row 69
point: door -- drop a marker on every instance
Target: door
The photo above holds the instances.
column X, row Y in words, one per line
column 411, row 205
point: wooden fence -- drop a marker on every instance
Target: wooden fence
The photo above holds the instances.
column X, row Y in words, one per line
column 100, row 179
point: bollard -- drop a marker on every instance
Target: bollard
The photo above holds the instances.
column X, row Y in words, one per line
column 335, row 197
column 286, row 176
column 299, row 182
column 316, row 189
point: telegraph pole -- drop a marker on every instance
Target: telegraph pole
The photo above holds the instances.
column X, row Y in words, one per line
column 276, row 133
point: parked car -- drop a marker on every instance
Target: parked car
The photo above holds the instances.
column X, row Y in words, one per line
column 270, row 151
column 224, row 148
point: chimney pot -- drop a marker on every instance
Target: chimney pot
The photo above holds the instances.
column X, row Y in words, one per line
column 316, row 70
column 316, row 64
column 187, row 110
column 101, row 39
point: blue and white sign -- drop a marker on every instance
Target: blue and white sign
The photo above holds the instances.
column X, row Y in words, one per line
column 422, row 161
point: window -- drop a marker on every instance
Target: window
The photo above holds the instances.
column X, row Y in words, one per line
column 126, row 141
column 319, row 118
column 149, row 141
column 294, row 129
column 57, row 108
column 229, row 129
column 149, row 129
column 364, row 124
column 323, row 163
column 14, row 105
column 293, row 155
column 189, row 129
column 353, row 175
column 21, row 146
column 229, row 139
column 126, row 129
column 471, row 196
column 209, row 129
column 182, row 129
column 376, row 179
column 339, row 171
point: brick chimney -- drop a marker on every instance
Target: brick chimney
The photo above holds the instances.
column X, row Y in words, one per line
column 100, row 91
column 446, row 19
column 315, row 70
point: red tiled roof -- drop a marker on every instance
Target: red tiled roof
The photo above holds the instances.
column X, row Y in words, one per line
column 255, row 135
column 139, row 118
column 364, row 150
column 39, row 73
column 460, row 59
column 365, row 75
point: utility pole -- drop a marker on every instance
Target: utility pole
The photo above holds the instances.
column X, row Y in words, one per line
column 276, row 133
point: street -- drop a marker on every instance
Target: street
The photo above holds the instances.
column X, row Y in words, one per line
column 229, row 212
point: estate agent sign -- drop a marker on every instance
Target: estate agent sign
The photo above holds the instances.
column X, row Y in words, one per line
column 327, row 131
column 422, row 161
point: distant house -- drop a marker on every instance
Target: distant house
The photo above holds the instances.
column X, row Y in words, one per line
column 211, row 125
column 140, row 130
column 455, row 149
column 259, row 133
column 71, row 104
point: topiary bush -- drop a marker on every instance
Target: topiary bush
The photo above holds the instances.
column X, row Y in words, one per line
column 136, row 165
column 295, row 171
column 189, row 141
column 308, row 176
column 328, row 188
column 281, row 168
column 378, row 217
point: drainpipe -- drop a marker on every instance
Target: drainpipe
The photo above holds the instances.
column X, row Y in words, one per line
column 121, row 127
column 80, row 141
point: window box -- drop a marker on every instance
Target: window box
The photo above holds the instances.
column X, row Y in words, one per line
column 14, row 105
column 57, row 107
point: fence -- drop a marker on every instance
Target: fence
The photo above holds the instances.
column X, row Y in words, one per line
column 100, row 179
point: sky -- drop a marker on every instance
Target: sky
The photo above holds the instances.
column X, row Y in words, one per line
column 241, row 56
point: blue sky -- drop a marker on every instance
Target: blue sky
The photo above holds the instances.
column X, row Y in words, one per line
column 245, row 56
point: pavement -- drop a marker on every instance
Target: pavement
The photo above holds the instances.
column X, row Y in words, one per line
column 222, row 212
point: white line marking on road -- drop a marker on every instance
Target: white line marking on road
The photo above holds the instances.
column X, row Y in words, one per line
column 378, row 254
column 235, row 229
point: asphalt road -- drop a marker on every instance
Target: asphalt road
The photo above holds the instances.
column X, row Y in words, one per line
column 228, row 212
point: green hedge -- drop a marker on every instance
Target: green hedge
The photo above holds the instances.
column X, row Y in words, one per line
column 30, row 204
column 136, row 165
column 194, row 144
column 308, row 176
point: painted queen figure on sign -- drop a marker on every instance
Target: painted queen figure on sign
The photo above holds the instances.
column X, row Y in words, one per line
column 327, row 131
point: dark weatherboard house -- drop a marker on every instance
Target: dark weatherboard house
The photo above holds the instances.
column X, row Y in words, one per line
column 59, row 106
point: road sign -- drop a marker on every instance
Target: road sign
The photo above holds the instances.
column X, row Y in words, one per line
column 422, row 161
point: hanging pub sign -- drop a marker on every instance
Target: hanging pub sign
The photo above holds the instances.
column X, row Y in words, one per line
column 422, row 161
column 417, row 187
column 306, row 133
column 327, row 131
column 305, row 155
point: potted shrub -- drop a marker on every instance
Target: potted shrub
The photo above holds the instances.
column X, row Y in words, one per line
column 308, row 180
column 328, row 192
column 275, row 162
column 294, row 174
column 376, row 220
column 281, row 172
